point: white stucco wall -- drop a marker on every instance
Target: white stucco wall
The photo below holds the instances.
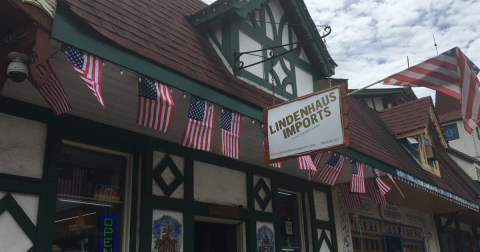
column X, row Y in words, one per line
column 468, row 167
column 167, row 175
column 468, row 144
column 214, row 184
column 22, row 146
column 247, row 43
column 342, row 222
column 321, row 205
column 378, row 103
column 304, row 82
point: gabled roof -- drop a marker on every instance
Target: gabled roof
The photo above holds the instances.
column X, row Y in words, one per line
column 448, row 108
column 407, row 117
column 407, row 92
column 456, row 174
column 159, row 30
column 297, row 13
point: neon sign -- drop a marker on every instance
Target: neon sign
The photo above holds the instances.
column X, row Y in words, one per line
column 107, row 235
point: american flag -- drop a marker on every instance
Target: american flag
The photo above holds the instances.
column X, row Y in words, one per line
column 451, row 73
column 277, row 164
column 198, row 132
column 88, row 66
column 231, row 124
column 384, row 187
column 71, row 182
column 52, row 91
column 332, row 169
column 391, row 178
column 317, row 158
column 155, row 105
column 374, row 191
column 358, row 178
column 306, row 163
column 352, row 200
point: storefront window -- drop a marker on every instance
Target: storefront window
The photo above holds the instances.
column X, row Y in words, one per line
column 366, row 243
column 91, row 185
column 292, row 236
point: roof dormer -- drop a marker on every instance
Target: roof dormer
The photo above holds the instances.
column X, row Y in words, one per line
column 235, row 26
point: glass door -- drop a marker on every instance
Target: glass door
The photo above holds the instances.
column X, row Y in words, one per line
column 290, row 210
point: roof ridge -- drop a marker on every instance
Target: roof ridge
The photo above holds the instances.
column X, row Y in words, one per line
column 407, row 104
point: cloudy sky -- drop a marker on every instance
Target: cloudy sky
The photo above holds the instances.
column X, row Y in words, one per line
column 372, row 39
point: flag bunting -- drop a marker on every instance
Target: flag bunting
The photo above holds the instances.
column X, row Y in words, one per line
column 198, row 133
column 391, row 178
column 352, row 199
column 357, row 183
column 88, row 66
column 317, row 158
column 375, row 193
column 384, row 187
column 231, row 124
column 52, row 91
column 155, row 104
column 332, row 169
column 306, row 163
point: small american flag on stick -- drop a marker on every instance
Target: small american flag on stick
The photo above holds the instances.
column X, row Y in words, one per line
column 332, row 169
column 358, row 178
column 198, row 132
column 384, row 187
column 155, row 105
column 391, row 178
column 277, row 164
column 88, row 66
column 352, row 200
column 52, row 91
column 231, row 124
column 375, row 193
column 451, row 73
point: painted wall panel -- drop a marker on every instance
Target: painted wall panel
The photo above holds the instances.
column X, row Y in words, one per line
column 321, row 205
column 163, row 220
column 22, row 146
column 265, row 235
column 214, row 184
column 304, row 82
column 167, row 175
column 378, row 103
column 277, row 11
column 12, row 237
column 246, row 43
column 324, row 247
column 469, row 168
column 29, row 204
column 263, row 194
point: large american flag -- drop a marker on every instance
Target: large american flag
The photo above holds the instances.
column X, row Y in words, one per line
column 155, row 105
column 384, row 187
column 375, row 193
column 52, row 91
column 391, row 178
column 352, row 200
column 71, row 182
column 231, row 124
column 451, row 73
column 316, row 158
column 332, row 169
column 357, row 183
column 88, row 66
column 277, row 164
column 306, row 163
column 198, row 132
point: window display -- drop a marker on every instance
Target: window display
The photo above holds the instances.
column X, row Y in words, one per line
column 89, row 207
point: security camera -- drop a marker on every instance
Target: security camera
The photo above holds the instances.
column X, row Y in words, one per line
column 17, row 71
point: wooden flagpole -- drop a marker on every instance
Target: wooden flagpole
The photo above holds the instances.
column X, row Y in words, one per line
column 367, row 86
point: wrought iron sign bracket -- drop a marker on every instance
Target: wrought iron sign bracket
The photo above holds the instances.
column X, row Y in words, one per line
column 240, row 65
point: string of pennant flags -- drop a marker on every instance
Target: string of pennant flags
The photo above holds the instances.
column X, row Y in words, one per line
column 155, row 110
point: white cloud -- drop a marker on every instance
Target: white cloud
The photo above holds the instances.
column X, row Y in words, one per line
column 371, row 39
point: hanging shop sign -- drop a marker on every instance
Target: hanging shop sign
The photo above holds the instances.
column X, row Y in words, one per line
column 309, row 124
column 391, row 212
column 107, row 235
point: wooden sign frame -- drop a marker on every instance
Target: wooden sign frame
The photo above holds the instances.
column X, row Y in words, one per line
column 344, row 119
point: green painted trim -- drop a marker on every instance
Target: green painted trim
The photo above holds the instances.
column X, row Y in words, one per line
column 67, row 29
column 167, row 189
column 8, row 203
column 368, row 160
column 134, row 204
column 263, row 203
column 331, row 217
column 313, row 218
column 189, row 180
column 305, row 222
column 146, row 214
column 25, row 185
